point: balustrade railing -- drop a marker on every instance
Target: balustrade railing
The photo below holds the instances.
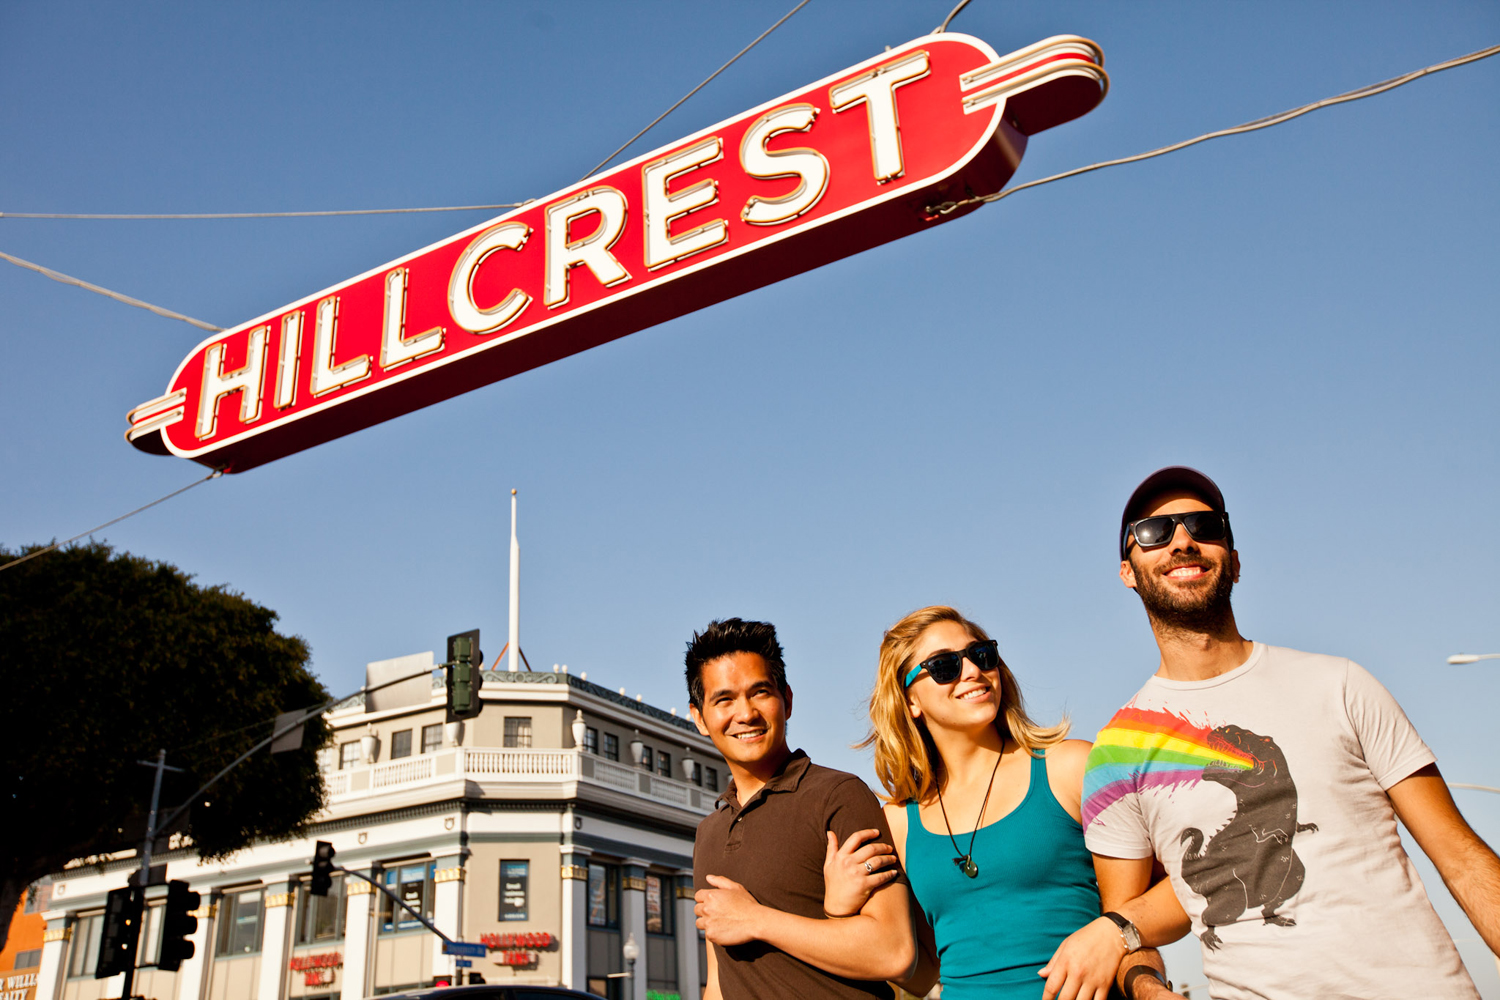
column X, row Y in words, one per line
column 523, row 766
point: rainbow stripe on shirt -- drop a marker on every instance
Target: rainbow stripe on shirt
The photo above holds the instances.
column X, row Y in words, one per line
column 1142, row 748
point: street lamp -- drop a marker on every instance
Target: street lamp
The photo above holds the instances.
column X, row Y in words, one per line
column 631, row 952
column 1458, row 658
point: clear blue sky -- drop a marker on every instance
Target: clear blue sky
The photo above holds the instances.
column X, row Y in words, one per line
column 1308, row 313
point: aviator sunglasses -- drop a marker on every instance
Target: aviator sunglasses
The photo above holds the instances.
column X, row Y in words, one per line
column 1203, row 525
column 945, row 667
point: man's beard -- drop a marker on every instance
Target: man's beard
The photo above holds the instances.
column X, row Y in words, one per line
column 1204, row 611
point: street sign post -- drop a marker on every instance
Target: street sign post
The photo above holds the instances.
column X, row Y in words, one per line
column 868, row 155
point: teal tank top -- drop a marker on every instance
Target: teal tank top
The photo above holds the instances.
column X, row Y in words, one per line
column 1035, row 887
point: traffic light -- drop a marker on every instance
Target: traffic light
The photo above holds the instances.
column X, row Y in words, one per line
column 322, row 876
column 463, row 666
column 122, row 931
column 177, row 923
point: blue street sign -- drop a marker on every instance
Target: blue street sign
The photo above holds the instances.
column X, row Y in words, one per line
column 464, row 948
column 463, row 963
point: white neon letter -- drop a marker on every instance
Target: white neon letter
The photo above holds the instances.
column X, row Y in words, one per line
column 662, row 206
column 291, row 353
column 809, row 166
column 395, row 347
column 218, row 383
column 563, row 255
column 876, row 90
column 506, row 236
column 326, row 376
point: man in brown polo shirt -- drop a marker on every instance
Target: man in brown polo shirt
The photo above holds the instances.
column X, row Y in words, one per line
column 758, row 859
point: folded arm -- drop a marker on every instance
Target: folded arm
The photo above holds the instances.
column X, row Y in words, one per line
column 1125, row 887
column 875, row 943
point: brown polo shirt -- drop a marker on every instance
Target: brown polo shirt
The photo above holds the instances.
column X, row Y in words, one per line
column 774, row 846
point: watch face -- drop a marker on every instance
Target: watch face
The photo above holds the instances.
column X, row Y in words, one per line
column 1132, row 937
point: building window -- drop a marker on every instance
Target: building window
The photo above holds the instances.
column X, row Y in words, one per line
column 432, row 738
column 348, row 755
column 698, row 774
column 647, row 758
column 518, row 731
column 604, row 896
column 150, row 945
column 591, row 740
column 611, row 746
column 664, row 764
column 515, row 882
column 658, row 905
column 85, row 954
column 239, row 923
column 711, row 778
column 401, row 744
column 28, row 959
column 413, row 884
column 320, row 918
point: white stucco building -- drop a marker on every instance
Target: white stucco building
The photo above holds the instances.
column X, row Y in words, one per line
column 554, row 826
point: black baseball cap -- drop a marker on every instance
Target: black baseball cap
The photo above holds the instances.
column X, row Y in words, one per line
column 1173, row 478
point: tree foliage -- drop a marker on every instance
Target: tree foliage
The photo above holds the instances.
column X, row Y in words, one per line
column 109, row 658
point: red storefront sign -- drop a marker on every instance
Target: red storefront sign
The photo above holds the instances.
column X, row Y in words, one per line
column 317, row 970
column 522, row 939
column 855, row 160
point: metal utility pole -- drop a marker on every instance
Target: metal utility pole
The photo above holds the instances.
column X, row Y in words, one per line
column 143, row 877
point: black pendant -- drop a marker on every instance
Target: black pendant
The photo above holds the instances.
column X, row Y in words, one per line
column 967, row 866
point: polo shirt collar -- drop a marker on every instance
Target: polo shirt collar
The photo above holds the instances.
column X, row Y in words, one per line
column 786, row 779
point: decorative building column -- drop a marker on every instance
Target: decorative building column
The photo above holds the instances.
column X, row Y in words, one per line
column 633, row 922
column 573, row 933
column 192, row 976
column 359, row 950
column 447, row 909
column 53, row 971
column 687, row 940
column 274, row 938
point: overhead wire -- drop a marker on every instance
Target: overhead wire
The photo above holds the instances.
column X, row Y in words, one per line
column 84, row 534
column 706, row 82
column 949, row 19
column 1252, row 126
column 68, row 279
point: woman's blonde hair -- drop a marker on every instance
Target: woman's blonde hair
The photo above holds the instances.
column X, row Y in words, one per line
column 906, row 760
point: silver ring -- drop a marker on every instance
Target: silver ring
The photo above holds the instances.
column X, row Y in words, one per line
column 868, row 869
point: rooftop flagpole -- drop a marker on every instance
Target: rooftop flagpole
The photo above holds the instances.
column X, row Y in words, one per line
column 515, row 590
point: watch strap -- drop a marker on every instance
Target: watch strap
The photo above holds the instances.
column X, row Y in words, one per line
column 1137, row 971
column 1128, row 932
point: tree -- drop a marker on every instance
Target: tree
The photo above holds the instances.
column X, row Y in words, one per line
column 108, row 658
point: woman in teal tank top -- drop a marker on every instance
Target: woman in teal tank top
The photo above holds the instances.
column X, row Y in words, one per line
column 984, row 809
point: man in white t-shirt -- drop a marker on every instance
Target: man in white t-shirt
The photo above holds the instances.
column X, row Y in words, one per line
column 1268, row 783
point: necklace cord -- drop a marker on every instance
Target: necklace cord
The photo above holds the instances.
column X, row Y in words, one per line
column 980, row 819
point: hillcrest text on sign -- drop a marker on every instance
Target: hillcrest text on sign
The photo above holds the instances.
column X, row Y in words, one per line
column 850, row 162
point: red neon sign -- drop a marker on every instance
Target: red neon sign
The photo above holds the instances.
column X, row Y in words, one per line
column 852, row 161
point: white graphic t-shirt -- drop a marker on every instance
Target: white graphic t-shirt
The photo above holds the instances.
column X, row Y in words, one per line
column 1262, row 791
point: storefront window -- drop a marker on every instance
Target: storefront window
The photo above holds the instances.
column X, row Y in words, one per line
column 239, row 923
column 413, row 884
column 320, row 918
column 85, row 953
column 661, row 946
column 515, row 885
column 604, row 896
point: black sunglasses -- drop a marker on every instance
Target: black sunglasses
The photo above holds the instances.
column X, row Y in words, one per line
column 945, row 667
column 1154, row 532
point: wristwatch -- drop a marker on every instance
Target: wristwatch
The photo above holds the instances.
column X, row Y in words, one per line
column 1128, row 933
column 1137, row 971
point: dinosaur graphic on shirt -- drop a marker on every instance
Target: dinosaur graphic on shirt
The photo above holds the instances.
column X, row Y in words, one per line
column 1249, row 864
